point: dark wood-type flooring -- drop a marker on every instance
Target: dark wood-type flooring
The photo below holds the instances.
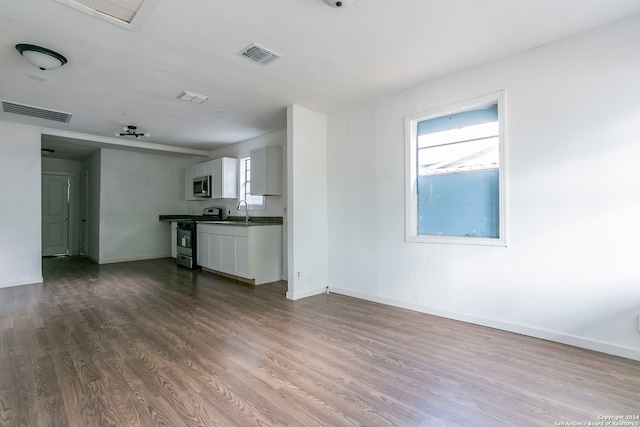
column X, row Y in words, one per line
column 150, row 344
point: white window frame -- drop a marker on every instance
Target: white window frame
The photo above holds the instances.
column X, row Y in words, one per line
column 411, row 172
column 254, row 203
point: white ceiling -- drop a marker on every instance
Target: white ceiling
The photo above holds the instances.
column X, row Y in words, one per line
column 331, row 58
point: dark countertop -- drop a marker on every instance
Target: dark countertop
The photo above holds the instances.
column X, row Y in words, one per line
column 232, row 220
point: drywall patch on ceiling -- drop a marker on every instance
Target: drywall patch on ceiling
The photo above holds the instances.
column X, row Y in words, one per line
column 37, row 112
column 123, row 10
column 125, row 13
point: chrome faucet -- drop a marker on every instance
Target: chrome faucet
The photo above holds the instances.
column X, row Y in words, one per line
column 246, row 210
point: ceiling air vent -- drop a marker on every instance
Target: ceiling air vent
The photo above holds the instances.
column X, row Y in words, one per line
column 37, row 112
column 259, row 54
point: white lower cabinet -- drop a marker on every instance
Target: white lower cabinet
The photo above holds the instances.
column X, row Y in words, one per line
column 174, row 239
column 202, row 247
column 242, row 264
column 215, row 251
column 227, row 259
column 249, row 253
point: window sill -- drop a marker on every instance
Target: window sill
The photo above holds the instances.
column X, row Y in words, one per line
column 456, row 240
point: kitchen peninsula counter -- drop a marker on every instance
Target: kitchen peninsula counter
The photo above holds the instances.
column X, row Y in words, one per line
column 232, row 220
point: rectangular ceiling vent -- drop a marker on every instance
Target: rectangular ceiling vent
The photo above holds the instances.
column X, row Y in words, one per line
column 259, row 54
column 37, row 112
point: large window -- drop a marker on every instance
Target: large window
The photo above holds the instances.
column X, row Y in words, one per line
column 455, row 174
column 254, row 202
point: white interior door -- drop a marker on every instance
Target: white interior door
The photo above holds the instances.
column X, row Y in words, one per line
column 55, row 215
column 84, row 213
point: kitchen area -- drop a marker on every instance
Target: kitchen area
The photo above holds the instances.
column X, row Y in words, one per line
column 229, row 231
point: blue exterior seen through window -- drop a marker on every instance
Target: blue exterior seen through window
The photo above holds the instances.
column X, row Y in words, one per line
column 458, row 174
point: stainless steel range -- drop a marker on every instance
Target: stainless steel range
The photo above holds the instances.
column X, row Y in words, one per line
column 186, row 231
column 186, row 255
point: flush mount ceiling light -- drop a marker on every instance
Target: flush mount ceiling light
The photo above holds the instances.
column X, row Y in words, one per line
column 338, row 4
column 131, row 131
column 41, row 57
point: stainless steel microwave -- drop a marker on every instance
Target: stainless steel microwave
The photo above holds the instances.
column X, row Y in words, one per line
column 202, row 186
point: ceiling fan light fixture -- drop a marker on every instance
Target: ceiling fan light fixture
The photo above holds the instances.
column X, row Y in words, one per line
column 41, row 57
column 131, row 131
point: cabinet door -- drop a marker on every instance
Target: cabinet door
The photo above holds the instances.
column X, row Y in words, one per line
column 266, row 171
column 227, row 254
column 215, row 251
column 242, row 265
column 216, row 180
column 189, row 174
column 225, row 178
column 202, row 246
column 205, row 169
column 174, row 239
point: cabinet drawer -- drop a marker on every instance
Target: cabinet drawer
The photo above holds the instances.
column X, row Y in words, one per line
column 223, row 230
column 241, row 231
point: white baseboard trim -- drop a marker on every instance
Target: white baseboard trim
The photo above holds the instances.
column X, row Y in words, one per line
column 299, row 295
column 21, row 282
column 135, row 258
column 545, row 334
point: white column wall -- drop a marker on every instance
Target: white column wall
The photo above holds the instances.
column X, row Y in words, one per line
column 20, row 206
column 570, row 272
column 306, row 202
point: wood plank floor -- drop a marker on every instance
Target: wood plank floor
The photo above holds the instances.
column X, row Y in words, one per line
column 150, row 344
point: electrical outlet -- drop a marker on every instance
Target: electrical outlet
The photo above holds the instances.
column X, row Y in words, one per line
column 298, row 274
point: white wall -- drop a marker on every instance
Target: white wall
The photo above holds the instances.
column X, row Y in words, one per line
column 307, row 202
column 135, row 188
column 20, row 206
column 570, row 272
column 92, row 166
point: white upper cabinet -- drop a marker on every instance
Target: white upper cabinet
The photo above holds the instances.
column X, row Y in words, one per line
column 266, row 171
column 189, row 174
column 205, row 169
column 225, row 178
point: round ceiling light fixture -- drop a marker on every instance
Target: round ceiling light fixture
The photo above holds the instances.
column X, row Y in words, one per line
column 337, row 3
column 41, row 57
